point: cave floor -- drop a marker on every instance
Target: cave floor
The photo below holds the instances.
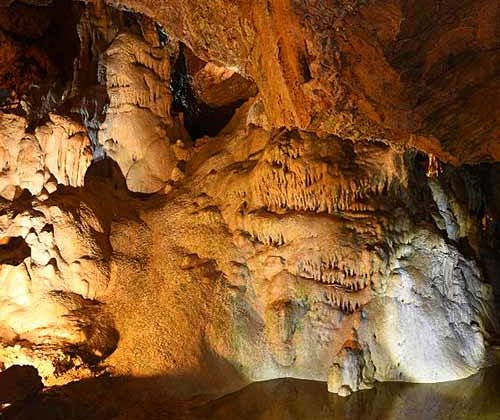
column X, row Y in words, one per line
column 143, row 398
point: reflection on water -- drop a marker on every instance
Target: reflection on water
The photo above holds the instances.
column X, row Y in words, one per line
column 475, row 398
column 128, row 398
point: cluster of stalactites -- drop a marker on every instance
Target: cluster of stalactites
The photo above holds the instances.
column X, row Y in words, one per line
column 137, row 74
column 339, row 296
column 286, row 178
column 338, row 274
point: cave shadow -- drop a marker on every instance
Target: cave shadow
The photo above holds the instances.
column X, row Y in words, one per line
column 200, row 118
column 281, row 399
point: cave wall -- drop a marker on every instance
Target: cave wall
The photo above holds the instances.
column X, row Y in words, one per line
column 223, row 192
column 422, row 73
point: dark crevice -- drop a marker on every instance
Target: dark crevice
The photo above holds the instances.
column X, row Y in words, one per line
column 200, row 119
column 304, row 68
column 14, row 251
column 107, row 169
column 163, row 38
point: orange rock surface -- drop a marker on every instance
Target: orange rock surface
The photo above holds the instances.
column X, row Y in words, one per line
column 205, row 194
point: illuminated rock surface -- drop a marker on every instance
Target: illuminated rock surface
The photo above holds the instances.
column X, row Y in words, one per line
column 195, row 196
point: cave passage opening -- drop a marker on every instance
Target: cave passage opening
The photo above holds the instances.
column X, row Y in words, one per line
column 207, row 103
column 41, row 42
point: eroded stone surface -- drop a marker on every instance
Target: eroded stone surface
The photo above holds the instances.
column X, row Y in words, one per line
column 301, row 245
column 429, row 77
column 50, row 292
column 57, row 153
column 139, row 119
column 307, row 238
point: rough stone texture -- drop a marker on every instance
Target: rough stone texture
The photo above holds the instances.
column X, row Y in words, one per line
column 299, row 245
column 57, row 153
column 350, row 372
column 49, row 291
column 418, row 72
column 314, row 227
column 139, row 120
column 217, row 86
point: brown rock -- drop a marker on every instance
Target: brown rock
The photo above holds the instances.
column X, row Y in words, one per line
column 18, row 383
column 314, row 226
column 379, row 69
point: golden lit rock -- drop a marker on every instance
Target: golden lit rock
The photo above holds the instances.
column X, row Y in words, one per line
column 58, row 149
column 139, row 117
column 196, row 195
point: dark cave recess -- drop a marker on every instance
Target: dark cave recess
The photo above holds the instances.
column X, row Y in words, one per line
column 200, row 118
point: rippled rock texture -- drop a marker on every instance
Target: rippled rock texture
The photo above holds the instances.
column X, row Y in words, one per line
column 215, row 193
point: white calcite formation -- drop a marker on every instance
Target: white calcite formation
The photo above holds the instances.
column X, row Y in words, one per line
column 299, row 241
column 139, row 132
column 428, row 323
column 350, row 372
column 58, row 152
column 300, row 257
column 52, row 270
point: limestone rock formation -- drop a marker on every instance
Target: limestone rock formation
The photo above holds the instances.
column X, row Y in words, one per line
column 350, row 372
column 428, row 78
column 303, row 244
column 57, row 153
column 139, row 118
column 208, row 194
column 53, row 268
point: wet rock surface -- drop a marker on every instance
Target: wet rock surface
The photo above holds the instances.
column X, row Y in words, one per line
column 134, row 398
